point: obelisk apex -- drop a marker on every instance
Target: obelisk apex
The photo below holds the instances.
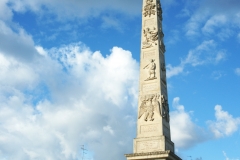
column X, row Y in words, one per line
column 153, row 139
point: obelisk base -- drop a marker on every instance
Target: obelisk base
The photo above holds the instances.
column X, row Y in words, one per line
column 162, row 155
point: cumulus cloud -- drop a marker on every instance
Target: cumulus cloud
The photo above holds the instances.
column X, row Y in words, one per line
column 225, row 124
column 69, row 96
column 185, row 133
column 17, row 44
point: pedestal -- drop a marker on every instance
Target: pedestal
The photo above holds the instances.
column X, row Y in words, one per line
column 163, row 155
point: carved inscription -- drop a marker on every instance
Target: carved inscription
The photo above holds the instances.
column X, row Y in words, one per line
column 148, row 146
column 149, row 22
column 149, row 54
column 149, row 87
column 149, row 128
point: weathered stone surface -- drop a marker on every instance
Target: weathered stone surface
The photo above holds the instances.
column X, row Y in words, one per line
column 153, row 139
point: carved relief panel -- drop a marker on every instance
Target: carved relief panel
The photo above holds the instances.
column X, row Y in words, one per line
column 149, row 8
column 151, row 66
column 150, row 37
column 149, row 106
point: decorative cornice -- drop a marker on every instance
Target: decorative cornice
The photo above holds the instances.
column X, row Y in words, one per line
column 147, row 154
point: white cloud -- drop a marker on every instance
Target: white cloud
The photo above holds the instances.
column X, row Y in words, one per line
column 64, row 11
column 108, row 129
column 220, row 56
column 217, row 75
column 17, row 44
column 227, row 158
column 225, row 124
column 216, row 20
column 225, row 155
column 76, row 9
column 5, row 12
column 109, row 22
column 185, row 133
column 174, row 37
column 173, row 71
column 203, row 54
column 77, row 98
column 16, row 74
column 213, row 18
column 238, row 37
column 237, row 71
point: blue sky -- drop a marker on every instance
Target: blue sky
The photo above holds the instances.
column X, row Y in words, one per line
column 69, row 77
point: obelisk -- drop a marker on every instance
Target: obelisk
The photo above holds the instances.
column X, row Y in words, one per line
column 153, row 139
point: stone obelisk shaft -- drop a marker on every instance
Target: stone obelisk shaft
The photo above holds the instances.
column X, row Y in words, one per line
column 153, row 129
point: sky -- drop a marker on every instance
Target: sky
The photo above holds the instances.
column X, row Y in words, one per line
column 69, row 72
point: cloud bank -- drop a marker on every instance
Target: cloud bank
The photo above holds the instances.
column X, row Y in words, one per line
column 185, row 133
column 64, row 98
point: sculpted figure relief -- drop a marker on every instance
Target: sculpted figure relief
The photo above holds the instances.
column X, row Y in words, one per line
column 149, row 105
column 164, row 111
column 150, row 37
column 149, row 8
column 152, row 70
